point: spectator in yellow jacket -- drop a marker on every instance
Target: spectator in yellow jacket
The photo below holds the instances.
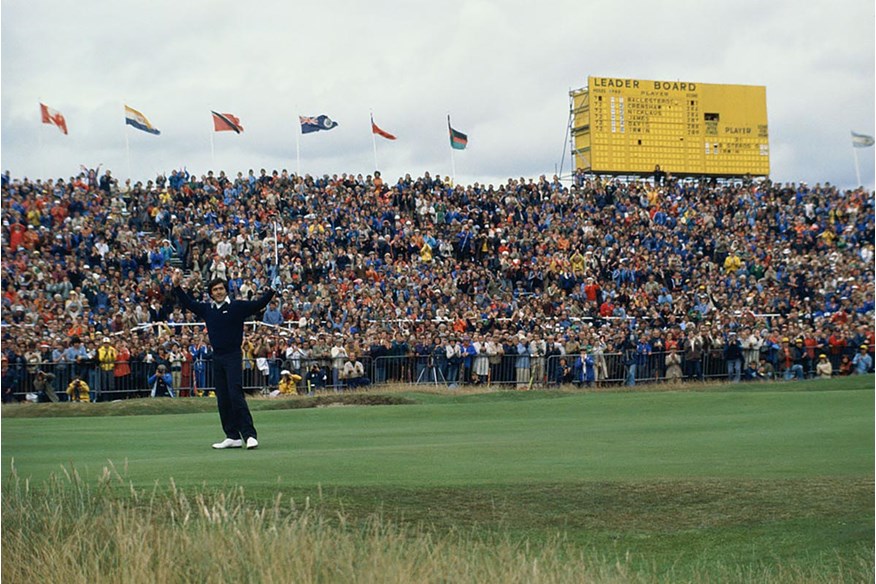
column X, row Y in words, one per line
column 732, row 263
column 106, row 358
column 288, row 384
column 78, row 390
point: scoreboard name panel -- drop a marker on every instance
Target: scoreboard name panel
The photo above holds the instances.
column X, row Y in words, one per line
column 628, row 126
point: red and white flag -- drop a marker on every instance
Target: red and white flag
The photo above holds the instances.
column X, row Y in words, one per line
column 53, row 117
column 379, row 132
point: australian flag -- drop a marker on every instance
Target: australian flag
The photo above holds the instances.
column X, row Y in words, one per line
column 315, row 124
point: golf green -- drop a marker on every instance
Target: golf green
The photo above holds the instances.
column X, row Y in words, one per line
column 474, row 440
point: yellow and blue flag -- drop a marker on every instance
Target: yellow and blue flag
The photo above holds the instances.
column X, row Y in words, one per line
column 139, row 121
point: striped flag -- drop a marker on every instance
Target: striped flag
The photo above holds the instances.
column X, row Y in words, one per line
column 226, row 123
column 376, row 130
column 139, row 121
column 858, row 140
column 53, row 117
column 458, row 140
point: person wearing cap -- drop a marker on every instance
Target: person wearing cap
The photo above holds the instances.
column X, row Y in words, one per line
column 106, row 364
column 794, row 358
column 862, row 363
column 288, row 384
column 224, row 319
column 161, row 383
column 823, row 369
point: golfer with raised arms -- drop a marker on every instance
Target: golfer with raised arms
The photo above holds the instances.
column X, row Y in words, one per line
column 224, row 319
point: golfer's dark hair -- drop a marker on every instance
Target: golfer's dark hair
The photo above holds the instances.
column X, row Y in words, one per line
column 217, row 282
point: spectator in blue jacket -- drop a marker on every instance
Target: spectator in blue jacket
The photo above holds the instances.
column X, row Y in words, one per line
column 161, row 383
column 862, row 363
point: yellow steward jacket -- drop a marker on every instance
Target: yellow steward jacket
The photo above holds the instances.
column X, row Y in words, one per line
column 106, row 356
column 82, row 393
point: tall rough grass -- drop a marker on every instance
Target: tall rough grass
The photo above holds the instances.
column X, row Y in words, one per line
column 69, row 531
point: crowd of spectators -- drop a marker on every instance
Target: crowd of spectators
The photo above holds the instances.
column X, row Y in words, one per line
column 574, row 269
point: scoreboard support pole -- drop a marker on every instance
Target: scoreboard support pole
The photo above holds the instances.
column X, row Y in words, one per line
column 567, row 140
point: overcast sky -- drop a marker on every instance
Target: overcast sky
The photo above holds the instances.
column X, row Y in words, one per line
column 501, row 69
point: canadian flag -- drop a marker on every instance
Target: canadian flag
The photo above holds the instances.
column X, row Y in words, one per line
column 53, row 117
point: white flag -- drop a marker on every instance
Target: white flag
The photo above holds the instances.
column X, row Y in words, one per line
column 862, row 140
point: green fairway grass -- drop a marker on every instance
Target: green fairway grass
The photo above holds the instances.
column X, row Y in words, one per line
column 681, row 480
column 577, row 437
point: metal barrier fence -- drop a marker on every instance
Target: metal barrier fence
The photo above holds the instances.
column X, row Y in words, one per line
column 542, row 371
column 130, row 379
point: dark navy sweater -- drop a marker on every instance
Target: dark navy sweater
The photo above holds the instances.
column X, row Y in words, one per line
column 224, row 324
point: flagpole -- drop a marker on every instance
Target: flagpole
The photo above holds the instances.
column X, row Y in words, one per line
column 857, row 166
column 127, row 145
column 298, row 148
column 374, row 142
column 42, row 154
column 212, row 152
column 452, row 157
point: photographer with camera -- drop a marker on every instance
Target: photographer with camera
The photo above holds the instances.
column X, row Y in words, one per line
column 78, row 390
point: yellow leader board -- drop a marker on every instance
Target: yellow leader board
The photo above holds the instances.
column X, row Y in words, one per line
column 628, row 126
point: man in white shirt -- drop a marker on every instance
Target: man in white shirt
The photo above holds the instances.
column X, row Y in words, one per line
column 353, row 373
column 339, row 357
column 751, row 343
column 224, row 248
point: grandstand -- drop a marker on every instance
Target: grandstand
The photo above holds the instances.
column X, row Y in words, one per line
column 533, row 282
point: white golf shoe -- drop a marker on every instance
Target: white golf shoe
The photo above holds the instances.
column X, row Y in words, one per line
column 251, row 443
column 228, row 443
